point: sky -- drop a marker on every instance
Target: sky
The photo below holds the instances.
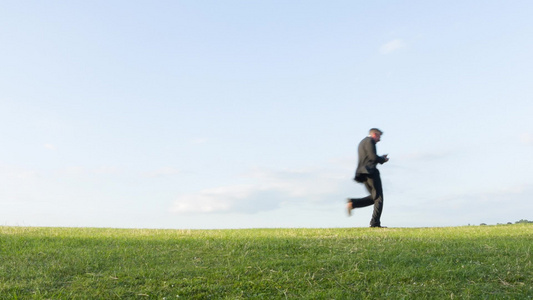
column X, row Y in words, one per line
column 247, row 114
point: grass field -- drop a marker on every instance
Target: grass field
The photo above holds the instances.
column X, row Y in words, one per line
column 472, row 262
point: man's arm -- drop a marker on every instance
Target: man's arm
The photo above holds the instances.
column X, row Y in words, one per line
column 372, row 155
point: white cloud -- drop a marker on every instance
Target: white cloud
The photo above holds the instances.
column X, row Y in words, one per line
column 162, row 172
column 392, row 46
column 425, row 156
column 72, row 171
column 8, row 172
column 501, row 205
column 273, row 188
column 527, row 138
column 308, row 183
column 22, row 174
column 240, row 198
column 50, row 147
column 199, row 141
column 107, row 170
column 75, row 171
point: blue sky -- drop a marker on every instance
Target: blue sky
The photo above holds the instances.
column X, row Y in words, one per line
column 247, row 114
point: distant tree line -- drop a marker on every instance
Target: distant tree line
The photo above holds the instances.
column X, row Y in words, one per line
column 523, row 221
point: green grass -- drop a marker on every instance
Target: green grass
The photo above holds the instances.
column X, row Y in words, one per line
column 473, row 262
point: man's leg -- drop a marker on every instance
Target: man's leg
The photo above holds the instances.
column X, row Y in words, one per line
column 373, row 184
column 363, row 202
column 360, row 202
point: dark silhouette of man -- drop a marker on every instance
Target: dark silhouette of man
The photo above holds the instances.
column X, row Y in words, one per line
column 368, row 174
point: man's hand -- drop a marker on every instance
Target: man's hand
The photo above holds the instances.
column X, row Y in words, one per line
column 385, row 157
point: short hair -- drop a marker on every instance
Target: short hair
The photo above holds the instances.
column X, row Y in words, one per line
column 375, row 130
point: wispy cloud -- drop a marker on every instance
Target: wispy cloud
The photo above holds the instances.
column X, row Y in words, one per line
column 199, row 141
column 50, row 147
column 425, row 156
column 457, row 209
column 527, row 138
column 19, row 174
column 162, row 172
column 308, row 183
column 75, row 171
column 489, row 206
column 392, row 46
column 9, row 172
column 273, row 189
column 107, row 170
column 240, row 198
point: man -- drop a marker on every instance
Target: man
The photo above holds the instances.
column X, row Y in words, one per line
column 368, row 174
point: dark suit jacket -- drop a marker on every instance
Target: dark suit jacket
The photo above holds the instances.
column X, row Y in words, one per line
column 368, row 159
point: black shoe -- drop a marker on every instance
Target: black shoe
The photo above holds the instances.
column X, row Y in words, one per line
column 378, row 226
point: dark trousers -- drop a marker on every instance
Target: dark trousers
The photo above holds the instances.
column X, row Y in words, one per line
column 373, row 185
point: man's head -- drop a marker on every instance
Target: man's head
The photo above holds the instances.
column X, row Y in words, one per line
column 375, row 134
